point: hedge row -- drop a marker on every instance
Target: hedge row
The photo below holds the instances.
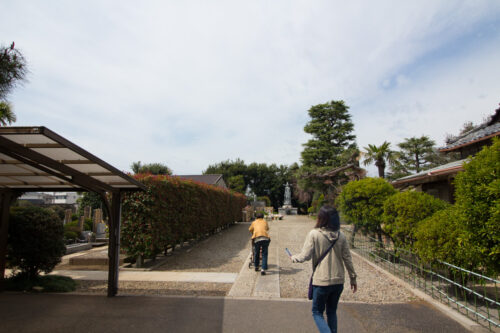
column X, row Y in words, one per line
column 465, row 234
column 171, row 211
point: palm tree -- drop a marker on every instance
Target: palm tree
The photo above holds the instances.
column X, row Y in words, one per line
column 6, row 114
column 379, row 155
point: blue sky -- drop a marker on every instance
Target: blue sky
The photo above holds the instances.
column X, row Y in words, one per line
column 192, row 83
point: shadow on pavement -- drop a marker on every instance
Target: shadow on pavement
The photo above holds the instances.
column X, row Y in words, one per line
column 83, row 313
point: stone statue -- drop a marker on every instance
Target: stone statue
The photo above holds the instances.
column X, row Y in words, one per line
column 248, row 192
column 288, row 196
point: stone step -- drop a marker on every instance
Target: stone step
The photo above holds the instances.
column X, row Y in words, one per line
column 93, row 259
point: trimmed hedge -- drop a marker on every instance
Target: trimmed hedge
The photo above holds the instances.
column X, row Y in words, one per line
column 171, row 211
column 404, row 211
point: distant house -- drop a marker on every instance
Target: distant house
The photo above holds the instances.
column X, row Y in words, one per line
column 215, row 180
column 37, row 198
column 439, row 181
column 55, row 198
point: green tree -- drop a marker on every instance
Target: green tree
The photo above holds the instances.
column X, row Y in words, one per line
column 442, row 236
column 12, row 71
column 477, row 198
column 380, row 156
column 7, row 116
column 404, row 211
column 35, row 242
column 361, row 203
column 265, row 180
column 236, row 183
column 417, row 154
column 332, row 134
column 152, row 168
column 91, row 199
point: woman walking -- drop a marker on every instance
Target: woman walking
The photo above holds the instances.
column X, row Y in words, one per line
column 329, row 250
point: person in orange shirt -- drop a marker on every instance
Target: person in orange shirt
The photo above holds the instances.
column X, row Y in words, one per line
column 261, row 240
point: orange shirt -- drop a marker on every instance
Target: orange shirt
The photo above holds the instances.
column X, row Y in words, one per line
column 259, row 228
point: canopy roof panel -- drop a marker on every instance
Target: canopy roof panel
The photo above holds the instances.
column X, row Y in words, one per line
column 37, row 159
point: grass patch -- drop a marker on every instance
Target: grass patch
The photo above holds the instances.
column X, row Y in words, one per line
column 47, row 283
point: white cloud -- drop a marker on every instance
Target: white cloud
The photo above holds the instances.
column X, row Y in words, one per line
column 192, row 83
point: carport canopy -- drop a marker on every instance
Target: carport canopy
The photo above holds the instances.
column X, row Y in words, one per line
column 35, row 159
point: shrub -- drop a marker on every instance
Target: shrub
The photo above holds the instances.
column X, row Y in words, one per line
column 442, row 236
column 316, row 203
column 361, row 203
column 88, row 224
column 48, row 283
column 35, row 240
column 477, row 198
column 266, row 199
column 173, row 210
column 404, row 211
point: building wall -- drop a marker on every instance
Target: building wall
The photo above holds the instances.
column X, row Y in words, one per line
column 441, row 189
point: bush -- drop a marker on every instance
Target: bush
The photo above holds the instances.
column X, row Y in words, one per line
column 404, row 211
column 88, row 224
column 266, row 199
column 477, row 198
column 35, row 240
column 442, row 237
column 173, row 210
column 316, row 203
column 48, row 283
column 361, row 203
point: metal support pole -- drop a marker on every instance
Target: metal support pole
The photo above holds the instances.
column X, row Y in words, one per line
column 114, row 243
column 6, row 199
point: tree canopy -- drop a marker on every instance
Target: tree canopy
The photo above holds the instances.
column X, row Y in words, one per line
column 332, row 134
column 152, row 168
column 265, row 180
column 361, row 203
column 13, row 71
column 380, row 156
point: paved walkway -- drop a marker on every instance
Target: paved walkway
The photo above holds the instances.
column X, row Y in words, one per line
column 26, row 313
column 252, row 296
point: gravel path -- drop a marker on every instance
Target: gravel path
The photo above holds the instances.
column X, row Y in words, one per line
column 373, row 285
column 222, row 252
column 227, row 251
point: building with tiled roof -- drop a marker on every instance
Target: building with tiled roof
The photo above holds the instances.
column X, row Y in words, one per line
column 215, row 179
column 471, row 142
column 438, row 181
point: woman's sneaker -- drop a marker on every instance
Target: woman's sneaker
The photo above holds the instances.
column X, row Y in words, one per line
column 262, row 272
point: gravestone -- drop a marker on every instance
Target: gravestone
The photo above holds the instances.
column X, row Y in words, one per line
column 100, row 231
column 97, row 219
column 86, row 212
column 67, row 215
column 81, row 221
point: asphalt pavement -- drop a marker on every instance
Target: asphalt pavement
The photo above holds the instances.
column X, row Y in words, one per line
column 84, row 313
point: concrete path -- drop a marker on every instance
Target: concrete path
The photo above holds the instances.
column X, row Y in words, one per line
column 26, row 313
column 151, row 276
column 250, row 283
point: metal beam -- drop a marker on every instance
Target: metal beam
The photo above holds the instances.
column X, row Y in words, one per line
column 50, row 166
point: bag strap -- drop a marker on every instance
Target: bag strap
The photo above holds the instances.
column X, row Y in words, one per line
column 324, row 254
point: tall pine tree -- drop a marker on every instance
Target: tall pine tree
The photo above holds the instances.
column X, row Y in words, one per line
column 332, row 140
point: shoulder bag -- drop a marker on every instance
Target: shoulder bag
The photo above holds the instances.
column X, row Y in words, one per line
column 310, row 293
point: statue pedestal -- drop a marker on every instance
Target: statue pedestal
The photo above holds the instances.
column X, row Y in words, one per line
column 287, row 210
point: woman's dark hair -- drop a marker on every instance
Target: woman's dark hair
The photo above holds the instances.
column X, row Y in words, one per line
column 328, row 217
column 259, row 215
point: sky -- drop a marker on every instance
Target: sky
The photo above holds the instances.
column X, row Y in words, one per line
column 193, row 83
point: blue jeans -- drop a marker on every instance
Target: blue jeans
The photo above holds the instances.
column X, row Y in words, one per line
column 326, row 296
column 257, row 246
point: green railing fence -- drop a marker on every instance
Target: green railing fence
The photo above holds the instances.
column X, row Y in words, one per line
column 470, row 293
